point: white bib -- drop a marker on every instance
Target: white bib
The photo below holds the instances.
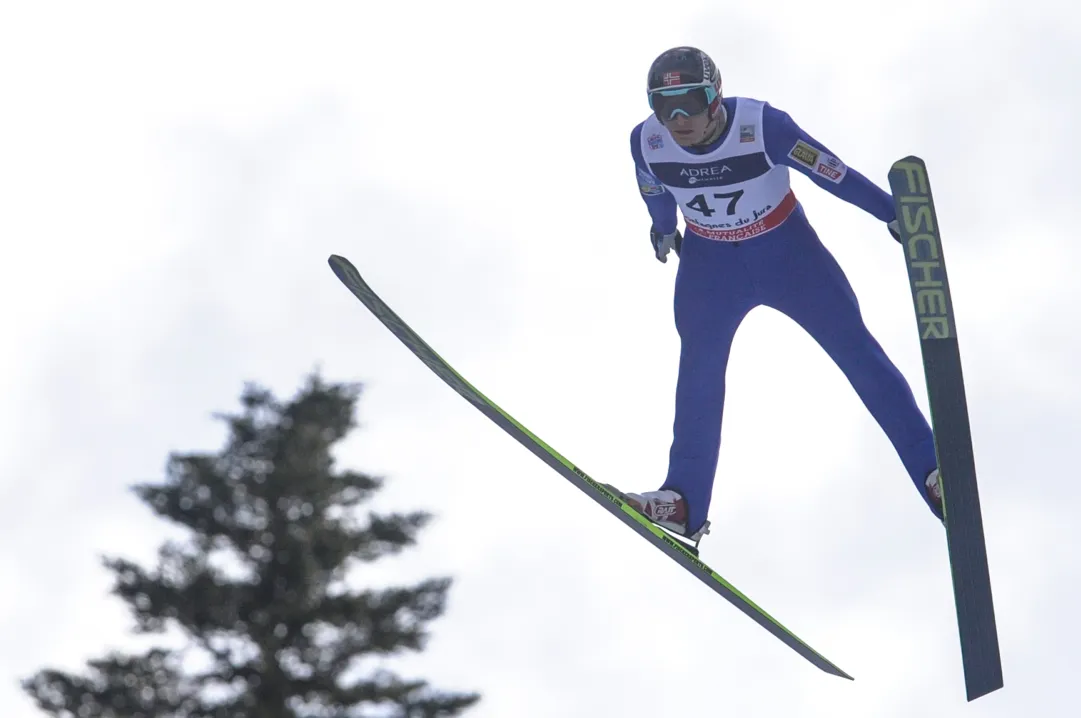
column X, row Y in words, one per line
column 731, row 193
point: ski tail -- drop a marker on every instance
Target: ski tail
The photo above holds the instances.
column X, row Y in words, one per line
column 673, row 548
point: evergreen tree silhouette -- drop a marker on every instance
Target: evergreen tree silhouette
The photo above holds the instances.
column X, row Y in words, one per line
column 259, row 590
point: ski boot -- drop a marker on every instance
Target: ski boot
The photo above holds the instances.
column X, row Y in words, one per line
column 667, row 509
column 934, row 492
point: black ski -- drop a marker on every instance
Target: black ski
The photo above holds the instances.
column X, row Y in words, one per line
column 922, row 241
column 682, row 553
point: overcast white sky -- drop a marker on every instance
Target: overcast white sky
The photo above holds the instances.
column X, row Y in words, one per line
column 172, row 181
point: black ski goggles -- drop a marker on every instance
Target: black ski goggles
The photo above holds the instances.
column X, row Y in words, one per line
column 689, row 101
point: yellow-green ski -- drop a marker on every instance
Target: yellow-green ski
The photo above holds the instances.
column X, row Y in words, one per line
column 683, row 554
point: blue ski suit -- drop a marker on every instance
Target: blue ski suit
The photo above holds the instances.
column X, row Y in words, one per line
column 748, row 243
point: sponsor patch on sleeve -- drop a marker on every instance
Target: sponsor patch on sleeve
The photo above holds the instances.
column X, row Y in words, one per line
column 648, row 184
column 819, row 162
column 830, row 167
column 804, row 154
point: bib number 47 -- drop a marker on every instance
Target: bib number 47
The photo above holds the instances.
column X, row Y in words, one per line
column 699, row 203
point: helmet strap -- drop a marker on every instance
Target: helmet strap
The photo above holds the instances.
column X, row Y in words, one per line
column 721, row 119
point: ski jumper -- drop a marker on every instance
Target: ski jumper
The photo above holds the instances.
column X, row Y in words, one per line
column 748, row 243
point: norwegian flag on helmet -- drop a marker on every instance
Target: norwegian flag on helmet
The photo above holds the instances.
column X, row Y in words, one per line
column 681, row 66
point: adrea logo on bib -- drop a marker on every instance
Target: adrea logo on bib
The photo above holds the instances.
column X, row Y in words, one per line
column 694, row 175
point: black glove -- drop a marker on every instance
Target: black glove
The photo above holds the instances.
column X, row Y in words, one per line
column 662, row 243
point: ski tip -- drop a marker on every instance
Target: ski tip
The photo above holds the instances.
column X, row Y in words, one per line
column 339, row 265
